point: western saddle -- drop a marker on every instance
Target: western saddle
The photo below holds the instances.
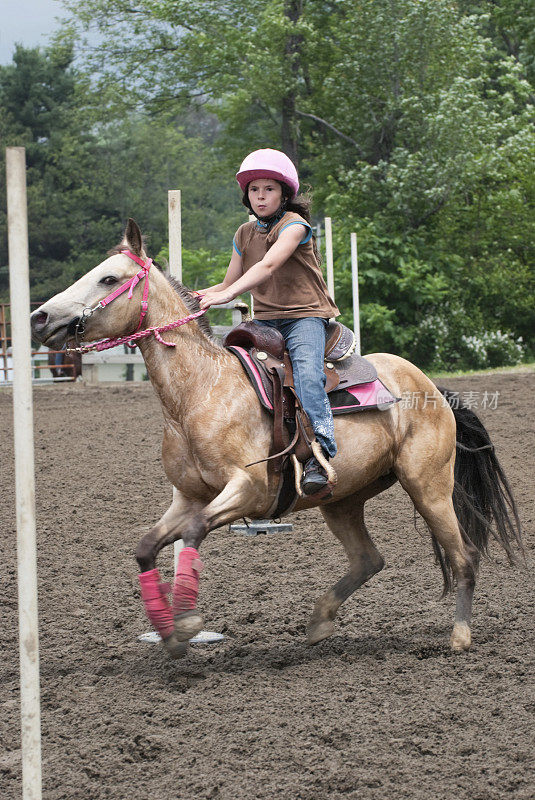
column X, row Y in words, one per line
column 262, row 353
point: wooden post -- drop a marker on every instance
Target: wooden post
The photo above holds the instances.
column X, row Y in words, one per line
column 175, row 233
column 19, row 287
column 252, row 218
column 4, row 340
column 89, row 372
column 329, row 255
column 355, row 285
column 174, row 200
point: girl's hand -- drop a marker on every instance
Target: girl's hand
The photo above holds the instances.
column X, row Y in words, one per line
column 216, row 298
column 215, row 288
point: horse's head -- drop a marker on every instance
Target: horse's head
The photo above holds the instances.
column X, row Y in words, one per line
column 55, row 322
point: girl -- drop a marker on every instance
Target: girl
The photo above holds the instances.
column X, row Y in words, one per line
column 275, row 258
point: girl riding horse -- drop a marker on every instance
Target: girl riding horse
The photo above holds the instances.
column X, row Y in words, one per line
column 275, row 258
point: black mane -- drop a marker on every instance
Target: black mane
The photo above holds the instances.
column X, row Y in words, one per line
column 192, row 303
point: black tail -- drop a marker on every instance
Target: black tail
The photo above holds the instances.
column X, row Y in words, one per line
column 482, row 497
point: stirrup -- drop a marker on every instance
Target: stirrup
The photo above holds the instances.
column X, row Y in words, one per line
column 326, row 488
column 314, row 477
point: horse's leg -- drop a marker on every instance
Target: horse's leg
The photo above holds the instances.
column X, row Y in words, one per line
column 167, row 530
column 443, row 524
column 234, row 501
column 345, row 519
column 430, row 489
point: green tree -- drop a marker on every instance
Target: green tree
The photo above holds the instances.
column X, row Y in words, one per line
column 38, row 98
column 511, row 25
column 86, row 176
column 414, row 122
column 440, row 185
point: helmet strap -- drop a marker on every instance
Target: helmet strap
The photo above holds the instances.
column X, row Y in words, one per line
column 267, row 223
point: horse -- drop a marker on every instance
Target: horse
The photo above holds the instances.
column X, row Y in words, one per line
column 65, row 365
column 216, row 434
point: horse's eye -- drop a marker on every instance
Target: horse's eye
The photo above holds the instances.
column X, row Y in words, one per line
column 109, row 280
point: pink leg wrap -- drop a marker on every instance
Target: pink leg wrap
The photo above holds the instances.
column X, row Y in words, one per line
column 156, row 603
column 186, row 586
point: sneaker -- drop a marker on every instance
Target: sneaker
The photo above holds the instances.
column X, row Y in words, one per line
column 314, row 477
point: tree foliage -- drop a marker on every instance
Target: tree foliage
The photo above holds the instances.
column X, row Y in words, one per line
column 88, row 171
column 414, row 122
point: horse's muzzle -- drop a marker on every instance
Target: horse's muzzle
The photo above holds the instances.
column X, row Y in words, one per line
column 52, row 332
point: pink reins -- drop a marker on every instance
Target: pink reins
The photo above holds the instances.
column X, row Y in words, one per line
column 131, row 339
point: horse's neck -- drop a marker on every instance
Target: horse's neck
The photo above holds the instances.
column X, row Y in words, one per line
column 180, row 374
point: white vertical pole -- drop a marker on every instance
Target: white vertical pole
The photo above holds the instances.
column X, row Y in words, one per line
column 355, row 285
column 252, row 218
column 318, row 237
column 175, row 233
column 175, row 270
column 19, row 286
column 329, row 255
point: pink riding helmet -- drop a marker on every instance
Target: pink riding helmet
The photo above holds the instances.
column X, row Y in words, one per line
column 268, row 164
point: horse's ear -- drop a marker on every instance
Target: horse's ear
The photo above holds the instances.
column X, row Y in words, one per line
column 133, row 238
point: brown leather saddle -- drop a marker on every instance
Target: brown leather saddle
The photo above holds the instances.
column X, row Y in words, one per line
column 261, row 351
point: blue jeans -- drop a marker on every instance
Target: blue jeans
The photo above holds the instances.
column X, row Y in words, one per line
column 305, row 341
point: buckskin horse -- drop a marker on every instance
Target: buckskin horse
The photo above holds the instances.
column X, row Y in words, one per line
column 214, row 426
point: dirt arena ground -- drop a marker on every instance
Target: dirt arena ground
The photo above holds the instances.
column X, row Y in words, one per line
column 381, row 711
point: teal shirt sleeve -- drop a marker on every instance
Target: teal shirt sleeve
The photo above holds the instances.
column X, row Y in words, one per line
column 307, row 234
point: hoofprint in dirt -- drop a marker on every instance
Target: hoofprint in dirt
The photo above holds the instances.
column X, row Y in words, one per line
column 380, row 710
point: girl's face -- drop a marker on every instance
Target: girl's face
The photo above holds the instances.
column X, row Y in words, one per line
column 265, row 195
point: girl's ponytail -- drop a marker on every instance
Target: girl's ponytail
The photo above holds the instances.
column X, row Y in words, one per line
column 300, row 205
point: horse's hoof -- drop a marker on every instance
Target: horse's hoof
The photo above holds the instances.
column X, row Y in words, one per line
column 317, row 631
column 461, row 638
column 174, row 647
column 188, row 625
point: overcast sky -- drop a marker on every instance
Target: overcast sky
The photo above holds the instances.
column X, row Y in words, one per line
column 27, row 22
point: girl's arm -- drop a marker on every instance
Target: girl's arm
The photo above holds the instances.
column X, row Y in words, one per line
column 275, row 257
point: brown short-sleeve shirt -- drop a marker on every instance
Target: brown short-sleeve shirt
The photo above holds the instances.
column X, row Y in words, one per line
column 297, row 288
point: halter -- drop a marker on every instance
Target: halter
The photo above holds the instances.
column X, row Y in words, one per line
column 131, row 285
column 131, row 339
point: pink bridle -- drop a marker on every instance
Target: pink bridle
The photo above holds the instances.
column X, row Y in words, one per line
column 131, row 285
column 131, row 339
